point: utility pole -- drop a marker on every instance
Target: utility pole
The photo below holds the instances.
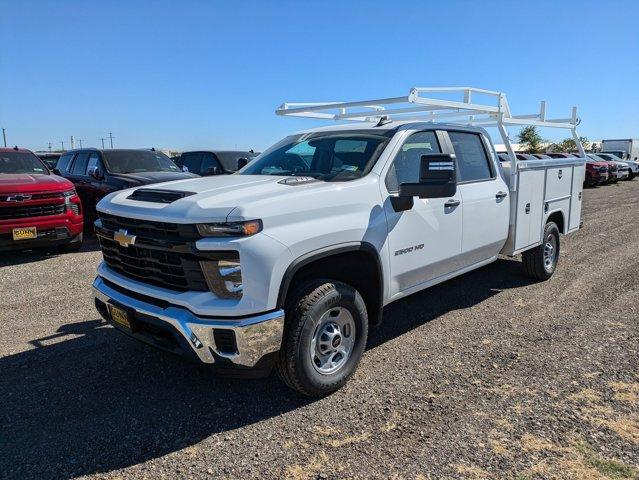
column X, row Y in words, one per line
column 49, row 146
column 4, row 136
column 62, row 142
column 102, row 142
column 80, row 141
column 72, row 143
column 111, row 138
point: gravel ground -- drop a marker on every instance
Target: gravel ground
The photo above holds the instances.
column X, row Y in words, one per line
column 485, row 376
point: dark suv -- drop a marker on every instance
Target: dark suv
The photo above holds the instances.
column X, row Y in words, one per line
column 96, row 173
column 214, row 162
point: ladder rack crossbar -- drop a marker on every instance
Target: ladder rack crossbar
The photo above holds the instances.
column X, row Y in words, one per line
column 417, row 107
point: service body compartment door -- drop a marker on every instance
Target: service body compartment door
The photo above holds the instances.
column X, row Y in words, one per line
column 558, row 183
column 530, row 207
column 579, row 172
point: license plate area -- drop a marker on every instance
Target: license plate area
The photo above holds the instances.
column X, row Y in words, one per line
column 24, row 233
column 121, row 316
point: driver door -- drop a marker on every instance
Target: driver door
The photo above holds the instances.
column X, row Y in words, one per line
column 425, row 241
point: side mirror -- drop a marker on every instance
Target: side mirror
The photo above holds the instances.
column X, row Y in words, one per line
column 437, row 178
column 95, row 172
column 242, row 162
column 55, row 171
column 212, row 171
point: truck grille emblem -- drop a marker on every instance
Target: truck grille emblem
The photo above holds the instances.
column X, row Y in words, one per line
column 123, row 238
column 18, row 198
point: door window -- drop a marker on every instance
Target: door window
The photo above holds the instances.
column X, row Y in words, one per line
column 209, row 161
column 472, row 161
column 405, row 167
column 94, row 161
column 80, row 164
column 191, row 161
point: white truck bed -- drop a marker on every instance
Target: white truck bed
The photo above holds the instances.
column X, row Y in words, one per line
column 543, row 188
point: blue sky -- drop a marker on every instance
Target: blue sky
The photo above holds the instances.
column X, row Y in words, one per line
column 196, row 74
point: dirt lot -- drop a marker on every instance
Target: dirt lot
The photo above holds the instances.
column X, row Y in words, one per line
column 486, row 376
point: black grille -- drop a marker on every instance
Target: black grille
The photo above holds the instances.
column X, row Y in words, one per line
column 30, row 211
column 161, row 231
column 168, row 269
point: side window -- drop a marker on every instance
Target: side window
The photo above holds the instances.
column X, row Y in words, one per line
column 405, row 167
column 472, row 161
column 191, row 162
column 80, row 164
column 209, row 161
column 63, row 163
column 94, row 161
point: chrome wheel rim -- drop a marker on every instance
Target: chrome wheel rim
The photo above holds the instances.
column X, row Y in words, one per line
column 333, row 341
column 550, row 252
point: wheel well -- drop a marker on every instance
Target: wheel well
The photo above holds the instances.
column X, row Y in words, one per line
column 359, row 268
column 558, row 218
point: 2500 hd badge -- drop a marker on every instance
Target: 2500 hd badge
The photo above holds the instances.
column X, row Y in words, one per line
column 409, row 249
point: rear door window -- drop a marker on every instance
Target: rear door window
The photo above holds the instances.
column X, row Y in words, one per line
column 472, row 161
column 94, row 161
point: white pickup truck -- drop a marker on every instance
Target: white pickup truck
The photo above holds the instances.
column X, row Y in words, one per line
column 288, row 262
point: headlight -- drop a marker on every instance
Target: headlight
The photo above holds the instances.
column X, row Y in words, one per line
column 69, row 193
column 230, row 229
column 224, row 276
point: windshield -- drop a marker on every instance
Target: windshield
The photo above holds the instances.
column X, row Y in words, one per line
column 21, row 162
column 329, row 156
column 136, row 161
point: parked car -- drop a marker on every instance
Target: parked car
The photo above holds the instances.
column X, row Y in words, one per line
column 622, row 168
column 633, row 167
column 49, row 158
column 613, row 176
column 96, row 173
column 596, row 172
column 214, row 162
column 288, row 262
column 37, row 208
column 625, row 149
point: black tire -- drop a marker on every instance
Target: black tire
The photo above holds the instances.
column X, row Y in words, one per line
column 590, row 183
column 535, row 260
column 310, row 302
column 74, row 245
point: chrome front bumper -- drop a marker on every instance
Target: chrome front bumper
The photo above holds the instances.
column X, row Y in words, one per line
column 255, row 336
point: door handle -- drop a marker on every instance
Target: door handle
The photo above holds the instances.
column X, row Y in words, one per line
column 500, row 195
column 451, row 203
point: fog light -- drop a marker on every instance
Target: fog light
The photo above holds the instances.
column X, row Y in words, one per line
column 223, row 276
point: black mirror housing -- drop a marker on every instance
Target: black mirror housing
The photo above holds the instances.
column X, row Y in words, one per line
column 95, row 173
column 437, row 178
column 242, row 162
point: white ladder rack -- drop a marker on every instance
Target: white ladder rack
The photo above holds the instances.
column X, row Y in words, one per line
column 417, row 107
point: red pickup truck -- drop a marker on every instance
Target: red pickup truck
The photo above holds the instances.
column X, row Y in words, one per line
column 37, row 208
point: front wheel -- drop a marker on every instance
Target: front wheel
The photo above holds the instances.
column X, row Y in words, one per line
column 324, row 337
column 540, row 262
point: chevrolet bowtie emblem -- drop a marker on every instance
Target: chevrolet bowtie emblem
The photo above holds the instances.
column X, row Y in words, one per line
column 123, row 238
column 18, row 198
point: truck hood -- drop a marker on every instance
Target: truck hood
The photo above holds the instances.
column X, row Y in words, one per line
column 211, row 199
column 26, row 182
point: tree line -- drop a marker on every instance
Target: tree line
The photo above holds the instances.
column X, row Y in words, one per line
column 531, row 142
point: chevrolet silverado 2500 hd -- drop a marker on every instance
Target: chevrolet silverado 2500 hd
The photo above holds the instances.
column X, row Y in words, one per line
column 289, row 261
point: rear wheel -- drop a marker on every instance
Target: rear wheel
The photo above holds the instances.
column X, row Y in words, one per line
column 540, row 262
column 324, row 337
